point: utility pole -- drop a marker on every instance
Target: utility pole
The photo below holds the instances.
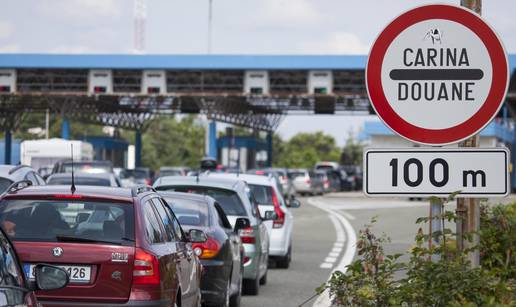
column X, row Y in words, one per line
column 468, row 209
column 210, row 18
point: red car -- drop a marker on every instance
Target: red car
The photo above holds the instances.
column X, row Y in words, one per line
column 120, row 247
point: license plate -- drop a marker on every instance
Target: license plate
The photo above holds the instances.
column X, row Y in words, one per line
column 80, row 274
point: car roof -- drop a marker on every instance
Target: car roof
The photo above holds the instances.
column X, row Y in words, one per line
column 82, row 175
column 190, row 196
column 12, row 172
column 202, row 181
column 123, row 194
column 249, row 178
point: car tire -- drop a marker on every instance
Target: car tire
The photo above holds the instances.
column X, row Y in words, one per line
column 234, row 300
column 251, row 286
column 284, row 262
column 263, row 280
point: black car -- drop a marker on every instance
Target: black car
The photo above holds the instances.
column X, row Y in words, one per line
column 15, row 290
column 221, row 254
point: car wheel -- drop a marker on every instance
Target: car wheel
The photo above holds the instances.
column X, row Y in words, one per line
column 284, row 262
column 263, row 280
column 234, row 300
column 251, row 286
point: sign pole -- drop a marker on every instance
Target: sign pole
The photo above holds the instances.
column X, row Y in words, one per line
column 468, row 209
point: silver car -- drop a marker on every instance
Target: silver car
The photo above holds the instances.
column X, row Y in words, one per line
column 305, row 182
column 235, row 199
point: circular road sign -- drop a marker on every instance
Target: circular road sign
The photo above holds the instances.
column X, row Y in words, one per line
column 437, row 74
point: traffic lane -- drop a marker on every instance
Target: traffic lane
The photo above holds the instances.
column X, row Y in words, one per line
column 395, row 217
column 313, row 237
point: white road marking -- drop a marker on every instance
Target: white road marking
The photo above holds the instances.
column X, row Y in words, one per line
column 324, row 299
column 336, row 250
column 347, row 215
column 338, row 244
column 338, row 229
column 332, row 254
column 330, row 259
column 326, row 265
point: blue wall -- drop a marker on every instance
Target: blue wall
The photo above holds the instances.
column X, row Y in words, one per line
column 15, row 151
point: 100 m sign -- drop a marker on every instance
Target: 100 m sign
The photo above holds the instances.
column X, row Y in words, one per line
column 432, row 172
column 472, row 177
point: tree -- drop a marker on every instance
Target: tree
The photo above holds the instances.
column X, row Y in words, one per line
column 306, row 149
column 172, row 142
column 352, row 152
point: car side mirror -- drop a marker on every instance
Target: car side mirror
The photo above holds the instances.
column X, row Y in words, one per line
column 50, row 277
column 294, row 203
column 242, row 223
column 270, row 215
column 197, row 236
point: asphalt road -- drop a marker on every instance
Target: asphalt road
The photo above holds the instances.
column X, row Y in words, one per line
column 315, row 236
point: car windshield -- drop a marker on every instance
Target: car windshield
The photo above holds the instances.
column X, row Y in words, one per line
column 228, row 199
column 58, row 220
column 78, row 180
column 4, row 184
column 262, row 194
column 85, row 167
column 189, row 212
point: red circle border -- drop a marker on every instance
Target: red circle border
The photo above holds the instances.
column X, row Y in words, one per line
column 474, row 124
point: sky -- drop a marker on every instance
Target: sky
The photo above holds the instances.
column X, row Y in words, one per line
column 238, row 27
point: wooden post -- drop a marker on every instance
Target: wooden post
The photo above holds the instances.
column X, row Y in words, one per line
column 468, row 209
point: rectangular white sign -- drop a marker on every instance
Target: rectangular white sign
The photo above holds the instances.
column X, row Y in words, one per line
column 424, row 172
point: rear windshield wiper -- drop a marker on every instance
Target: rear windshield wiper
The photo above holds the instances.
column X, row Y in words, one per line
column 65, row 238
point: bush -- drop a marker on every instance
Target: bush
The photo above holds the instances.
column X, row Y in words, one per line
column 433, row 276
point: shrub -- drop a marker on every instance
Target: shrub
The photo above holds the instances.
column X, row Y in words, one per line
column 433, row 276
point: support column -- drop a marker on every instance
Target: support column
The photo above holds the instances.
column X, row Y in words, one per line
column 8, row 146
column 138, row 148
column 269, row 149
column 212, row 140
column 65, row 129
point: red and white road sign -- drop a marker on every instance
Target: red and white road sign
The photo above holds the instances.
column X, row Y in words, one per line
column 437, row 74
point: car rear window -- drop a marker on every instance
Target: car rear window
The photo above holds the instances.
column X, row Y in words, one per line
column 189, row 212
column 228, row 199
column 262, row 194
column 137, row 174
column 67, row 221
column 4, row 184
column 294, row 175
column 101, row 182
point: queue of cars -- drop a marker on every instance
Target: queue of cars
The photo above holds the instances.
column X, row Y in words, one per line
column 186, row 241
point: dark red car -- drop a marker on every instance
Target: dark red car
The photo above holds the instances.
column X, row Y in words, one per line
column 120, row 247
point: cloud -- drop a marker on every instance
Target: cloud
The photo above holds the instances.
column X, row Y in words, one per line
column 9, row 48
column 65, row 49
column 286, row 14
column 6, row 29
column 81, row 9
column 335, row 43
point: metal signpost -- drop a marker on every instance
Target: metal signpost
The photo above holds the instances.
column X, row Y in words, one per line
column 437, row 75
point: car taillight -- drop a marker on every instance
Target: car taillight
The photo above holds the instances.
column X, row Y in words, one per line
column 277, row 223
column 247, row 235
column 147, row 181
column 208, row 249
column 146, row 268
column 308, row 181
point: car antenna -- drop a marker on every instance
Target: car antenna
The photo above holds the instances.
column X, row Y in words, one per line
column 72, row 188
